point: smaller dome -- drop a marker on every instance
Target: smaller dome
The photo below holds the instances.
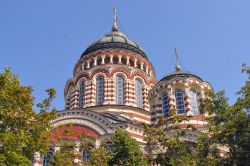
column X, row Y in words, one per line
column 183, row 74
column 179, row 72
column 114, row 39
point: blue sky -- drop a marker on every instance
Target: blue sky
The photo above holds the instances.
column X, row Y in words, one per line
column 42, row 40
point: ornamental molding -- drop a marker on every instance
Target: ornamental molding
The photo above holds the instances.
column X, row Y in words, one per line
column 110, row 45
column 81, row 122
column 68, row 84
column 90, row 119
column 117, row 108
column 120, row 69
column 98, row 69
column 184, row 83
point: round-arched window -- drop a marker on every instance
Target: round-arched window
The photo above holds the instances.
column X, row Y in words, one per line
column 82, row 95
column 138, row 93
column 165, row 104
column 194, row 103
column 86, row 154
column 179, row 97
column 100, row 90
column 48, row 156
column 119, row 90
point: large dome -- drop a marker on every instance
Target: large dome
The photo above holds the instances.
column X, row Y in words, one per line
column 114, row 39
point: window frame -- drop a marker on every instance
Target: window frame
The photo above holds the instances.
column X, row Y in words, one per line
column 139, row 93
column 194, row 101
column 100, row 90
column 120, row 94
column 180, row 102
column 166, row 104
column 82, row 90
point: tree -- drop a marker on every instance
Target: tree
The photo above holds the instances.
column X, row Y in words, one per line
column 22, row 131
column 65, row 155
column 100, row 157
column 86, row 146
column 126, row 150
column 152, row 136
column 229, row 125
column 165, row 148
column 226, row 141
column 207, row 152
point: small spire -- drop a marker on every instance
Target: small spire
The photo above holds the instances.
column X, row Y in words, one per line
column 177, row 66
column 114, row 27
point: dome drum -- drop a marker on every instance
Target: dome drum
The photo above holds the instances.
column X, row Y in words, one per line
column 111, row 57
column 184, row 93
column 107, row 63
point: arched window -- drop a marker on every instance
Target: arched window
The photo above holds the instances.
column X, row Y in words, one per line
column 48, row 156
column 138, row 93
column 86, row 154
column 194, row 104
column 119, row 90
column 82, row 95
column 99, row 90
column 179, row 97
column 165, row 104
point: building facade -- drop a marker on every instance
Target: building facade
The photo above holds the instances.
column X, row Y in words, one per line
column 114, row 86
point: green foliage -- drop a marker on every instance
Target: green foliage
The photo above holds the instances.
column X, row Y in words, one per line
column 126, row 150
column 176, row 152
column 207, row 152
column 22, row 131
column 100, row 157
column 65, row 156
column 166, row 149
column 229, row 126
column 153, row 136
column 86, row 142
column 228, row 129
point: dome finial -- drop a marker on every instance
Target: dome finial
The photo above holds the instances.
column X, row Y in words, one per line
column 114, row 27
column 177, row 66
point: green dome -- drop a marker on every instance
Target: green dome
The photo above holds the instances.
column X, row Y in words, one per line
column 114, row 39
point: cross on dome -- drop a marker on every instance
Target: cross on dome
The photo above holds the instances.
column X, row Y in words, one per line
column 177, row 66
column 114, row 27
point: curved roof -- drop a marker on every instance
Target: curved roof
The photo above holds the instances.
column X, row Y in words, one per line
column 183, row 74
column 114, row 39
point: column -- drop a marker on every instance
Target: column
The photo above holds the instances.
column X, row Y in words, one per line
column 130, row 93
column 142, row 65
column 135, row 63
column 147, row 69
column 187, row 102
column 90, row 93
column 109, row 91
column 103, row 59
column 88, row 63
column 111, row 58
column 95, row 61
column 128, row 60
column 171, row 97
column 145, row 98
column 120, row 59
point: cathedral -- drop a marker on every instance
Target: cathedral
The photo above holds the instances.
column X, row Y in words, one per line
column 114, row 86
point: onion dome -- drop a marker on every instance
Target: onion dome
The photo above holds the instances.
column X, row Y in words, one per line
column 114, row 39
